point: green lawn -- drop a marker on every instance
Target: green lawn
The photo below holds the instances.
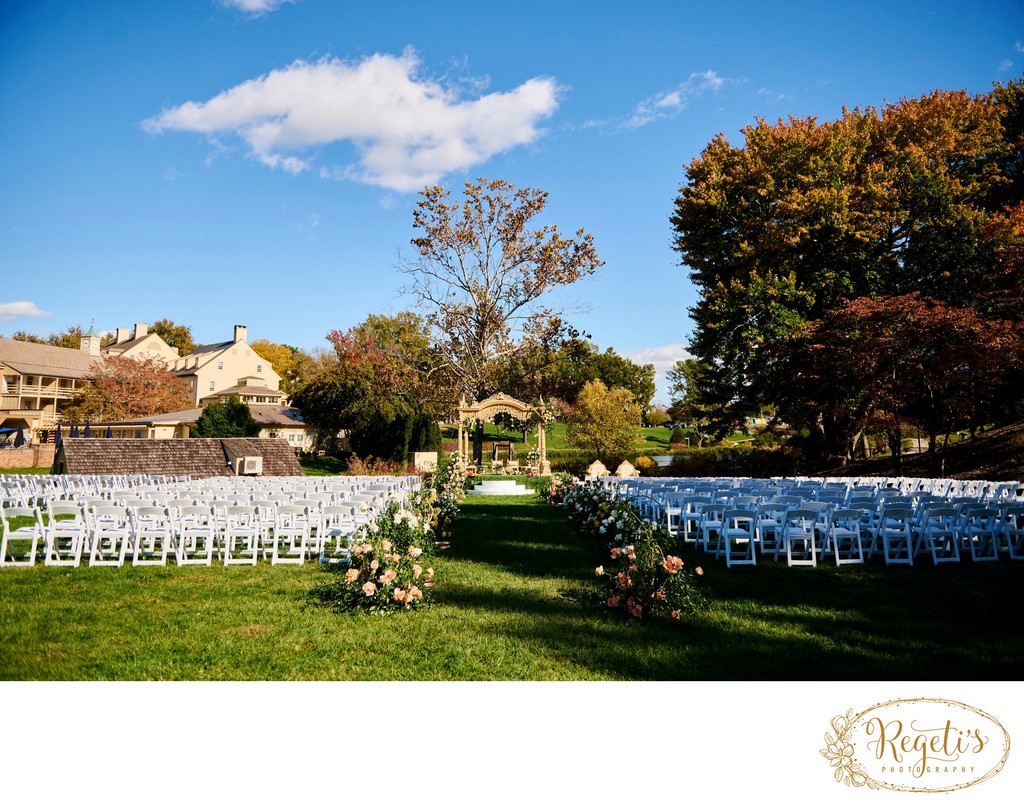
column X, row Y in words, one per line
column 515, row 600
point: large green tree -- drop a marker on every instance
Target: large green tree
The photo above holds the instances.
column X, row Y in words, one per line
column 379, row 388
column 696, row 403
column 562, row 372
column 177, row 336
column 780, row 231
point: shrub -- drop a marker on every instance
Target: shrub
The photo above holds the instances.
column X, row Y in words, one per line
column 644, row 463
column 376, row 466
column 678, row 436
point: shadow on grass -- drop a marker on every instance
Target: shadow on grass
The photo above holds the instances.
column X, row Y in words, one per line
column 768, row 622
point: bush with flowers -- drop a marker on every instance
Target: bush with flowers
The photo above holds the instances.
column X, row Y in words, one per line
column 389, row 567
column 640, row 578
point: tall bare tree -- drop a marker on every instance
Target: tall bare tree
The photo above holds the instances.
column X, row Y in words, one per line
column 484, row 276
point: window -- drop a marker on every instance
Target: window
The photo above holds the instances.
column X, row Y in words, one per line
column 259, row 368
column 213, row 386
column 220, row 365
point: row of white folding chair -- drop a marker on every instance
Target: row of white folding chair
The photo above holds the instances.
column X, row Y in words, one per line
column 802, row 535
column 190, row 533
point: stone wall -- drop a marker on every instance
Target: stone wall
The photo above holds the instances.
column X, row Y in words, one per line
column 37, row 456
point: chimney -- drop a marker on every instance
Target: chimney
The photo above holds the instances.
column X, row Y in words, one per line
column 141, row 329
column 240, row 333
column 122, row 336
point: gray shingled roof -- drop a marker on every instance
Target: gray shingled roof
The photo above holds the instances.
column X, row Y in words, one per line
column 200, row 458
column 29, row 358
column 263, row 414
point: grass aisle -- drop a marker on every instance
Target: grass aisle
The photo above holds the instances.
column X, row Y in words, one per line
column 514, row 601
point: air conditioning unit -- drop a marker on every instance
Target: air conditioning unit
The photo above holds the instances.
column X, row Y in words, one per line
column 248, row 466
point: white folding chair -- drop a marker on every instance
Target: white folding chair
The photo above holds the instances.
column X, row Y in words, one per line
column 771, row 519
column 842, row 536
column 196, row 530
column 979, row 532
column 1012, row 530
column 689, row 518
column 290, row 535
column 152, row 536
column 67, row 533
column 896, row 535
column 939, row 535
column 799, row 536
column 737, row 537
column 242, row 533
column 337, row 530
column 20, row 543
column 710, row 522
column 110, row 535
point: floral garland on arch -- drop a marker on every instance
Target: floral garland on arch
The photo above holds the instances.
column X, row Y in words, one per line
column 642, row 580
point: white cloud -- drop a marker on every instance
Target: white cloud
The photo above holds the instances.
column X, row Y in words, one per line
column 308, row 227
column 408, row 130
column 1005, row 65
column 772, row 96
column 1019, row 46
column 670, row 103
column 255, row 8
column 663, row 358
column 9, row 311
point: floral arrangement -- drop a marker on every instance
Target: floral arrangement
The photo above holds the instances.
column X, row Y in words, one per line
column 641, row 580
column 448, row 487
column 387, row 570
column 560, row 483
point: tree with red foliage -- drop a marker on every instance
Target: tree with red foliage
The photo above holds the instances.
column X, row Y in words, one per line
column 124, row 388
column 893, row 360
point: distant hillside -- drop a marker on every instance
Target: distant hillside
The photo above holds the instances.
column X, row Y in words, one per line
column 997, row 455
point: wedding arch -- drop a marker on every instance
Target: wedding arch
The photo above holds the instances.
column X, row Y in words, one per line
column 500, row 403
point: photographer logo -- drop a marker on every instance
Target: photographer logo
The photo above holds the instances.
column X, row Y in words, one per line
column 922, row 745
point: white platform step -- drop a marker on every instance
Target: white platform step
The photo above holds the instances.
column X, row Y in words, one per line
column 500, row 487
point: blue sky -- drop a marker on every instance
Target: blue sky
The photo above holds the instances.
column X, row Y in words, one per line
column 257, row 162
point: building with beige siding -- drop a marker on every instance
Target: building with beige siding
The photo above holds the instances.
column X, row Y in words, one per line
column 212, row 369
column 38, row 381
column 140, row 343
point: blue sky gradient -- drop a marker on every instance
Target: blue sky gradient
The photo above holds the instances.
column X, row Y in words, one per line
column 257, row 162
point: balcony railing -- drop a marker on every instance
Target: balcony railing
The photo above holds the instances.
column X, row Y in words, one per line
column 39, row 391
